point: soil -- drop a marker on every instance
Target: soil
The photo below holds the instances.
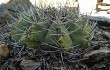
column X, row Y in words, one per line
column 90, row 57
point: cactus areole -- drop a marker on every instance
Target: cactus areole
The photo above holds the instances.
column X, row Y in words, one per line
column 52, row 35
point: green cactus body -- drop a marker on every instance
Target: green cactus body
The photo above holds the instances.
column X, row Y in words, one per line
column 65, row 39
column 77, row 34
column 37, row 34
column 45, row 34
column 19, row 29
column 58, row 35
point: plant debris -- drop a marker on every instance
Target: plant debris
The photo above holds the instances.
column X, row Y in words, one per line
column 94, row 56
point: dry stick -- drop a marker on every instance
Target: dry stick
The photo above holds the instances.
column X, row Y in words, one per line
column 101, row 50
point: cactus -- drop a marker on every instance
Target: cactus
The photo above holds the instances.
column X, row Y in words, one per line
column 51, row 34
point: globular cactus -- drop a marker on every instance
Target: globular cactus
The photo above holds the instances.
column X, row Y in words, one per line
column 52, row 34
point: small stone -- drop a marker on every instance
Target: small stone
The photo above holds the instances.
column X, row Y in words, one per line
column 29, row 64
column 99, row 66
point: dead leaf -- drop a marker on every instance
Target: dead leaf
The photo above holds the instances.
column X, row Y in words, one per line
column 4, row 51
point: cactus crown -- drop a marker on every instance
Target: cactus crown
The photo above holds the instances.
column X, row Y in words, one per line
column 51, row 29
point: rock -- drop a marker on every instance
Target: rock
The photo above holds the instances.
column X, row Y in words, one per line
column 29, row 64
column 13, row 7
column 103, row 22
column 101, row 18
column 99, row 66
column 19, row 5
column 107, row 34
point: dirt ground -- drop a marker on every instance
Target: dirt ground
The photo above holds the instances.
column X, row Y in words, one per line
column 94, row 56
